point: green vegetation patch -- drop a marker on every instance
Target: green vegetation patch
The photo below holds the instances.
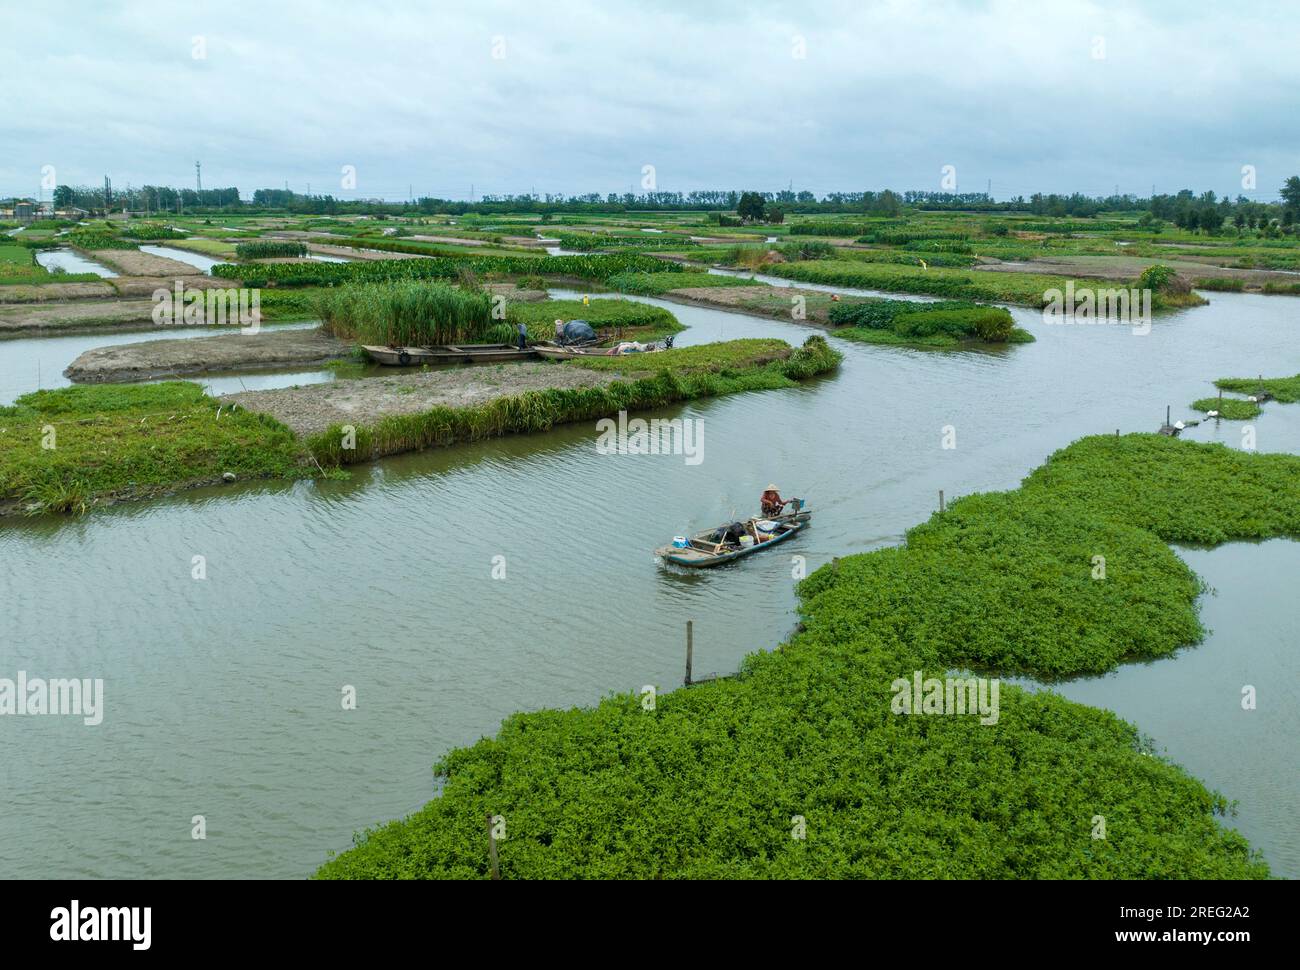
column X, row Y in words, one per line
column 269, row 250
column 657, row 284
column 593, row 267
column 1284, row 389
column 410, row 314
column 65, row 448
column 1231, row 408
column 706, row 784
column 944, row 323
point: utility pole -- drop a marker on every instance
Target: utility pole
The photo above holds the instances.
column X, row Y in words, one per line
column 198, row 177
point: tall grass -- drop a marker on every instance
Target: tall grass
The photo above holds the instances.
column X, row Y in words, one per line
column 410, row 314
column 270, row 250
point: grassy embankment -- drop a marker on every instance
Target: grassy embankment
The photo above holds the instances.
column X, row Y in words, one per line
column 67, row 449
column 646, row 381
column 1022, row 289
column 18, row 266
column 708, row 784
column 64, row 449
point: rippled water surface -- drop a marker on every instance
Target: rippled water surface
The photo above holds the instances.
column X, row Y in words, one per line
column 223, row 695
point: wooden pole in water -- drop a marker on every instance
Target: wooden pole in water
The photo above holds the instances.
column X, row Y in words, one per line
column 1167, row 408
column 492, row 850
column 940, row 500
column 690, row 649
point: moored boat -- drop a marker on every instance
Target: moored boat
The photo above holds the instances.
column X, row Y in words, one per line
column 448, row 354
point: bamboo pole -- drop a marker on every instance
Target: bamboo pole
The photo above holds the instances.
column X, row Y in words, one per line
column 690, row 649
column 492, row 850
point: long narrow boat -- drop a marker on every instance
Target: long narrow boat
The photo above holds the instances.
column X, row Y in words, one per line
column 449, row 354
column 704, row 549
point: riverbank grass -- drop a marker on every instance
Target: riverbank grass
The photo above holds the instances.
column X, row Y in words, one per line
column 1229, row 408
column 642, row 382
column 62, row 450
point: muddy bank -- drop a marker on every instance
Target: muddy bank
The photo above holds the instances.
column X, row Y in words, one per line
column 83, row 316
column 313, row 408
column 1127, row 268
column 348, row 252
column 234, row 351
column 42, row 292
column 777, row 302
column 132, row 262
column 145, row 285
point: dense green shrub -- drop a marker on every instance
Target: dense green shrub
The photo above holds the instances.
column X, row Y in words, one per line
column 267, row 249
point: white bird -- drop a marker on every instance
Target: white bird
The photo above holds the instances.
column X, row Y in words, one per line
column 1179, row 425
column 1211, row 414
column 1253, row 399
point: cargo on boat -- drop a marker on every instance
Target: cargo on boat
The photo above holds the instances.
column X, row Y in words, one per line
column 733, row 540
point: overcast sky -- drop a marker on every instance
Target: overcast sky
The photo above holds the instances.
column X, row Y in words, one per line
column 571, row 96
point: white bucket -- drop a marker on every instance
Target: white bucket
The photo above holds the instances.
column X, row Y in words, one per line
column 746, row 541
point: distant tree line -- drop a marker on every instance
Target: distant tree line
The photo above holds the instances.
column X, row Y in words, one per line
column 1206, row 213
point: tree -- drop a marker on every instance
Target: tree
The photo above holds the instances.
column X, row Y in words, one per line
column 750, row 207
column 62, row 196
column 1291, row 192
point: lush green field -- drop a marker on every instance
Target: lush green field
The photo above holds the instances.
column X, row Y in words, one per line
column 657, row 284
column 942, row 324
column 1285, row 389
column 64, row 448
column 596, row 267
column 1229, row 408
column 712, row 780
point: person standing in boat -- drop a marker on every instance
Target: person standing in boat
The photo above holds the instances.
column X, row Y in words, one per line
column 523, row 337
column 771, row 501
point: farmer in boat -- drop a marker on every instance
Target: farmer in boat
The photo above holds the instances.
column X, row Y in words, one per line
column 771, row 501
column 523, row 337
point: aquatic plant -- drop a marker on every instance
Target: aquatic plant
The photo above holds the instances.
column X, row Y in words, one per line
column 410, row 314
column 710, row 782
column 1285, row 389
column 268, row 249
column 1230, row 408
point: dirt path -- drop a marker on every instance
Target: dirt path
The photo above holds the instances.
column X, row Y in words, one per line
column 234, row 351
column 311, row 409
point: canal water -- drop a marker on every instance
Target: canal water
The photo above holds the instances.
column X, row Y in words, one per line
column 37, row 363
column 203, row 262
column 72, row 262
column 222, row 694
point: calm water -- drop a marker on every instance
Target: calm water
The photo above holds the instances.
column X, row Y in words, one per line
column 71, row 262
column 35, row 363
column 204, row 263
column 223, row 694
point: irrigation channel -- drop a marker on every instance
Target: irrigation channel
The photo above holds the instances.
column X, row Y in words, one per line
column 222, row 695
column 71, row 261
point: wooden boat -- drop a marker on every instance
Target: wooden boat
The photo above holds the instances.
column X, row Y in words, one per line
column 449, row 354
column 703, row 550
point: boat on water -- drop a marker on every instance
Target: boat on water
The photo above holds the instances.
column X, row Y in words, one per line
column 448, row 354
column 734, row 540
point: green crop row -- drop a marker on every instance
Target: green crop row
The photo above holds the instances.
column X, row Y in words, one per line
column 593, row 267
